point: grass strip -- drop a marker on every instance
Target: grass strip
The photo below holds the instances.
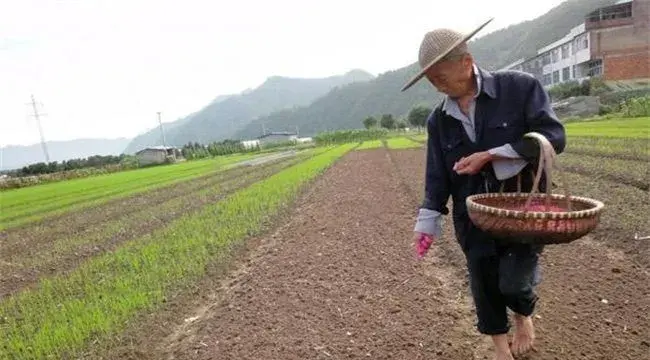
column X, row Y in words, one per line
column 63, row 314
column 419, row 137
column 622, row 128
column 370, row 144
column 402, row 143
column 20, row 206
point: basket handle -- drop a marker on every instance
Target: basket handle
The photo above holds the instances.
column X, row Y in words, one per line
column 503, row 184
column 547, row 160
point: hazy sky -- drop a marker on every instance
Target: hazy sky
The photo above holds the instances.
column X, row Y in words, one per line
column 104, row 68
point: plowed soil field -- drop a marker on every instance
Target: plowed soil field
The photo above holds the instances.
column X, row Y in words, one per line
column 336, row 278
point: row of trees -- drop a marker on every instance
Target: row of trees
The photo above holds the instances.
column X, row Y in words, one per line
column 96, row 161
column 417, row 117
column 197, row 151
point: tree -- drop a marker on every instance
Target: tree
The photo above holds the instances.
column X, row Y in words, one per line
column 418, row 116
column 387, row 121
column 401, row 124
column 369, row 122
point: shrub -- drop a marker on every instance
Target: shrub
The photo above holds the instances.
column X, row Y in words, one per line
column 345, row 136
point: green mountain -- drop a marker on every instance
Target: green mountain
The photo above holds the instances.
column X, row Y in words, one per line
column 226, row 115
column 345, row 107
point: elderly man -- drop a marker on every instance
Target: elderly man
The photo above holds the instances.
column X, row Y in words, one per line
column 476, row 144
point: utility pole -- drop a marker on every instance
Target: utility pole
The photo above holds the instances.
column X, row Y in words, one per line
column 162, row 131
column 40, row 130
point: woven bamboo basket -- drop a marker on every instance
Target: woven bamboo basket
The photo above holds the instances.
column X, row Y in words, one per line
column 538, row 218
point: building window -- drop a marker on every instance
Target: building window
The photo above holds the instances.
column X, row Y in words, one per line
column 554, row 55
column 547, row 79
column 581, row 43
column 565, row 51
column 546, row 58
column 595, row 68
column 556, row 76
column 566, row 73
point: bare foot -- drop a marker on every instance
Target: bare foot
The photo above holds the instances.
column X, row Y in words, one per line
column 503, row 355
column 524, row 335
column 501, row 349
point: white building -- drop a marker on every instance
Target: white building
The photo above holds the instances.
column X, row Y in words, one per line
column 568, row 58
column 611, row 43
column 250, row 144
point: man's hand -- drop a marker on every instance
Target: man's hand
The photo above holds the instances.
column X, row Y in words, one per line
column 472, row 164
column 422, row 243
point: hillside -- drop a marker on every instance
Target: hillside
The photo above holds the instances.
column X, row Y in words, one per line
column 347, row 106
column 14, row 157
column 227, row 114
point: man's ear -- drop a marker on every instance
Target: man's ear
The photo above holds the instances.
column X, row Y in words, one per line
column 467, row 61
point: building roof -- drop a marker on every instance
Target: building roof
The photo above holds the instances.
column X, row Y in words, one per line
column 568, row 37
column 157, row 147
column 278, row 133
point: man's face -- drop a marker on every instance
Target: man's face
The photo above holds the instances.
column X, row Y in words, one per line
column 452, row 77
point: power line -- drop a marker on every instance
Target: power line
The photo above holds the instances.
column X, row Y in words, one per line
column 40, row 130
column 162, row 131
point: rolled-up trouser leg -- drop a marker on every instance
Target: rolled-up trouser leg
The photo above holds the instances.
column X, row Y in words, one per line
column 519, row 274
column 489, row 303
column 506, row 280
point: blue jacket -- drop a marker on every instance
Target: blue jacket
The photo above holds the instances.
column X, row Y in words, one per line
column 509, row 105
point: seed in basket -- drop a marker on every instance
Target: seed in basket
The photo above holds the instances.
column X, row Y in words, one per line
column 544, row 208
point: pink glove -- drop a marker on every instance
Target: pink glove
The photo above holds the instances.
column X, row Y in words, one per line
column 423, row 245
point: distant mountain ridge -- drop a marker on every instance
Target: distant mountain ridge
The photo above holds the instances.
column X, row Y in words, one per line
column 17, row 156
column 223, row 117
column 346, row 107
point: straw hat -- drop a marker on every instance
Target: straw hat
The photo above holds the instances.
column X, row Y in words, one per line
column 436, row 45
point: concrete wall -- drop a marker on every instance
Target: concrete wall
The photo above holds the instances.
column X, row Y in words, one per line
column 150, row 156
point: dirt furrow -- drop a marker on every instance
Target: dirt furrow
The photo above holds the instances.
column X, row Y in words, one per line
column 23, row 263
column 632, row 155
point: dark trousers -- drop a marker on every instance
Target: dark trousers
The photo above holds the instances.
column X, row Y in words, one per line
column 505, row 280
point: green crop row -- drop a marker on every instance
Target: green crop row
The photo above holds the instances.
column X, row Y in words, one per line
column 146, row 216
column 402, row 143
column 618, row 128
column 23, row 205
column 64, row 314
column 370, row 144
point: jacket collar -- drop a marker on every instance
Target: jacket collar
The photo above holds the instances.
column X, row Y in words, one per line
column 488, row 85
